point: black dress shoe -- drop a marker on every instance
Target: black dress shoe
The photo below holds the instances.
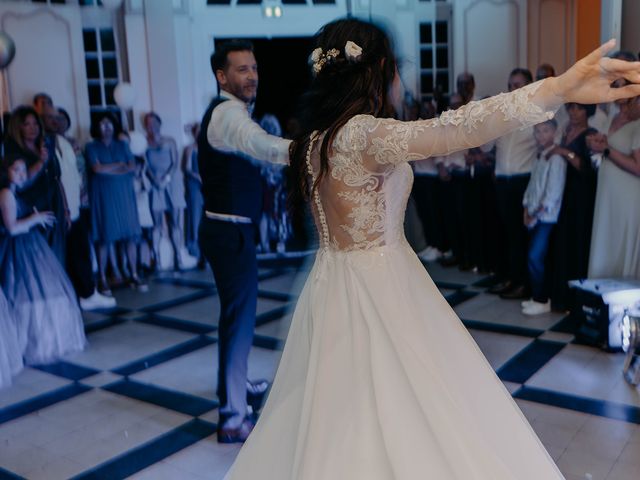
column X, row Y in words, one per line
column 517, row 293
column 501, row 288
column 256, row 393
column 235, row 435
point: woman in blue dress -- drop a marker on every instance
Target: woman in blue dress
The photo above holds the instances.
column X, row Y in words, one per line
column 41, row 299
column 114, row 213
column 167, row 186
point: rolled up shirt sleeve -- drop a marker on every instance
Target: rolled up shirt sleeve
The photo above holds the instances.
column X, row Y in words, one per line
column 231, row 129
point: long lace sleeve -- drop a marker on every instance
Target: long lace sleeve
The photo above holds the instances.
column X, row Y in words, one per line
column 391, row 141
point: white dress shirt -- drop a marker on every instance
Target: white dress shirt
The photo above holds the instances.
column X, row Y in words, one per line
column 232, row 130
column 69, row 175
column 426, row 167
column 454, row 161
column 543, row 197
column 515, row 152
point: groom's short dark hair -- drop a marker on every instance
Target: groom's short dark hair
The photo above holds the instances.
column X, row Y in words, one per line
column 219, row 56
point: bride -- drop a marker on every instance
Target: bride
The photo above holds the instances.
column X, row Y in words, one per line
column 379, row 379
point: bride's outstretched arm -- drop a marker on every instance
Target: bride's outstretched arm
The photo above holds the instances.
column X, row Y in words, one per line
column 588, row 81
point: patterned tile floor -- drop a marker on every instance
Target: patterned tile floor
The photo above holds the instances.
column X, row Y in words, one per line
column 140, row 402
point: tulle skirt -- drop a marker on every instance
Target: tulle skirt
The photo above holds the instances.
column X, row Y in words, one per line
column 43, row 304
column 380, row 380
column 10, row 354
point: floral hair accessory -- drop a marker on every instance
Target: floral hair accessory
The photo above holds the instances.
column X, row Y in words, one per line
column 319, row 58
column 352, row 51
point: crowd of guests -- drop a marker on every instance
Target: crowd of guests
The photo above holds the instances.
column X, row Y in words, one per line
column 541, row 206
column 78, row 220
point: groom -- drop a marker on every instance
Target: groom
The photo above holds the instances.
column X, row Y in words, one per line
column 228, row 144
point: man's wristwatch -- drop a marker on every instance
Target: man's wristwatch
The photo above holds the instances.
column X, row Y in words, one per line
column 571, row 155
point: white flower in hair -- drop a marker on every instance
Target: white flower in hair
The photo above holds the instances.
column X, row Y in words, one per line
column 316, row 54
column 352, row 51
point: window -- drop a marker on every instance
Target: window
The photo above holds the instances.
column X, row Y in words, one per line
column 101, row 63
column 435, row 58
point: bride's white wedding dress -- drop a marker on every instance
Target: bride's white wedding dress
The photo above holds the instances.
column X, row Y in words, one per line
column 379, row 379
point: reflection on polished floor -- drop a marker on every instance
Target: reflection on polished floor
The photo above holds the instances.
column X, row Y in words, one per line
column 140, row 402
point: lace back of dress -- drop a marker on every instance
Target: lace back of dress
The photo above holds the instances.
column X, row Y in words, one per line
column 323, row 228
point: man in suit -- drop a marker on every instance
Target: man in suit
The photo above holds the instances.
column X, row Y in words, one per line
column 228, row 145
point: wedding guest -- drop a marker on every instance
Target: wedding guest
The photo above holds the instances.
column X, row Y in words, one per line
column 42, row 301
column 114, row 213
column 142, row 187
column 78, row 255
column 572, row 236
column 541, row 202
column 40, row 100
column 193, row 189
column 515, row 154
column 167, row 186
column 615, row 243
column 26, row 138
column 545, row 70
column 425, row 194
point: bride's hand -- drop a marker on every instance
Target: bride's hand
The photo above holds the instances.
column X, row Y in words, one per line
column 589, row 80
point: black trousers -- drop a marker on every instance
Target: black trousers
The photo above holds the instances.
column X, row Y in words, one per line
column 487, row 247
column 78, row 257
column 509, row 193
column 230, row 250
column 461, row 183
column 427, row 197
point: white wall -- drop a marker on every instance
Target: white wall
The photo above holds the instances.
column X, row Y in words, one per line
column 138, row 63
column 49, row 57
column 490, row 39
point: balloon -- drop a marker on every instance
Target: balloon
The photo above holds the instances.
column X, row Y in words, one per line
column 125, row 95
column 111, row 4
column 7, row 50
column 137, row 143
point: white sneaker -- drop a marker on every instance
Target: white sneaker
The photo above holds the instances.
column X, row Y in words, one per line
column 97, row 301
column 537, row 308
column 429, row 254
column 527, row 303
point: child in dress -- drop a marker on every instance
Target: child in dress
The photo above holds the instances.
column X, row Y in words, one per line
column 41, row 300
column 542, row 201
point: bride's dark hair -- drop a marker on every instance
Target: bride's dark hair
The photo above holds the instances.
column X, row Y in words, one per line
column 342, row 89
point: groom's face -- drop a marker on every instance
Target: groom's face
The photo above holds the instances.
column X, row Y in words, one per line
column 240, row 76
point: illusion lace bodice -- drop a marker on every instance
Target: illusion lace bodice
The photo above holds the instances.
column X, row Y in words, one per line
column 360, row 203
